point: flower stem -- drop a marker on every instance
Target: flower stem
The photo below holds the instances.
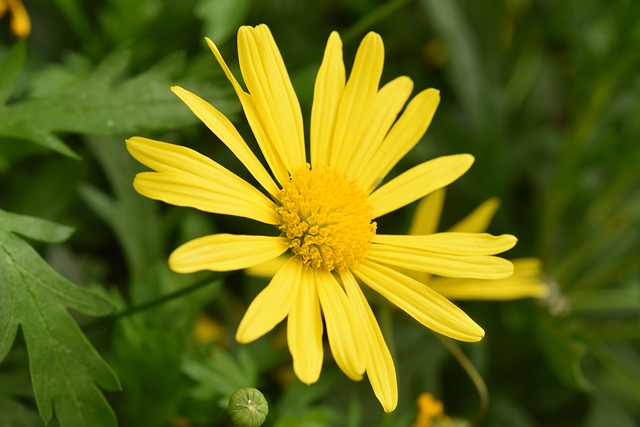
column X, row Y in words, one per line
column 149, row 304
column 474, row 375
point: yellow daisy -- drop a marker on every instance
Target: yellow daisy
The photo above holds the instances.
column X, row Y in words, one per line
column 526, row 281
column 323, row 207
column 431, row 414
column 20, row 22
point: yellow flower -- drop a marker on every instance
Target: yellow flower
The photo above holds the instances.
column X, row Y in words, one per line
column 431, row 414
column 526, row 281
column 323, row 209
column 428, row 408
column 206, row 329
column 20, row 22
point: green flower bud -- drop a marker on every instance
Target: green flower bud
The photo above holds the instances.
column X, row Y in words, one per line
column 248, row 407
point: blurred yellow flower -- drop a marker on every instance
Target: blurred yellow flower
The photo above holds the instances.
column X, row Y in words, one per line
column 20, row 22
column 431, row 414
column 428, row 408
column 206, row 329
column 526, row 281
column 323, row 207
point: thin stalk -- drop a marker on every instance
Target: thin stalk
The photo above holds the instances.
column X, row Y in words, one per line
column 149, row 304
column 474, row 375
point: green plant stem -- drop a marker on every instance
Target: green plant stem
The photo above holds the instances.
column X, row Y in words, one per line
column 474, row 375
column 149, row 304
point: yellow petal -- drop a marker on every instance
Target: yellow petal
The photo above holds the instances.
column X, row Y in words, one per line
column 304, row 331
column 525, row 282
column 164, row 157
column 466, row 266
column 217, row 195
column 478, row 220
column 267, row 146
column 276, row 102
column 380, row 116
column 418, row 182
column 419, row 301
column 403, row 136
column 220, row 125
column 187, row 178
column 20, row 21
column 511, row 288
column 379, row 364
column 326, row 97
column 269, row 268
column 357, row 97
column 452, row 243
column 340, row 321
column 226, row 252
column 426, row 218
column 531, row 267
column 271, row 305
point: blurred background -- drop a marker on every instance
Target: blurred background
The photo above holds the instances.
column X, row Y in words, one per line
column 543, row 93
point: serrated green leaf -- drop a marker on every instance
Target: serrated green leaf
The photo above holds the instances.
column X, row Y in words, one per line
column 66, row 370
column 101, row 105
column 41, row 137
column 35, row 228
column 10, row 70
column 221, row 374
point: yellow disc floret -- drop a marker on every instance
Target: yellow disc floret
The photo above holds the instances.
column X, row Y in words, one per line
column 327, row 218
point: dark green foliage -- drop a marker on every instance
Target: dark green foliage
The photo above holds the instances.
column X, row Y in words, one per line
column 95, row 330
column 65, row 368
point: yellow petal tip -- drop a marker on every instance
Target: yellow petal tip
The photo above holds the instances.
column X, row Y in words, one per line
column 474, row 335
column 469, row 158
column 242, row 338
column 311, row 379
column 212, row 45
column 510, row 239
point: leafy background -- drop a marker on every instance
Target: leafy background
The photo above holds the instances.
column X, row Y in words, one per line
column 96, row 331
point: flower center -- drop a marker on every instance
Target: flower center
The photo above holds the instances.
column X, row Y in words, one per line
column 327, row 218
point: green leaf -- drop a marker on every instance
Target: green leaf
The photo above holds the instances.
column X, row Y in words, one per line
column 102, row 105
column 75, row 16
column 134, row 219
column 222, row 17
column 124, row 20
column 465, row 67
column 148, row 361
column 35, row 228
column 10, row 70
column 614, row 300
column 65, row 367
column 564, row 354
column 220, row 374
column 620, row 377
